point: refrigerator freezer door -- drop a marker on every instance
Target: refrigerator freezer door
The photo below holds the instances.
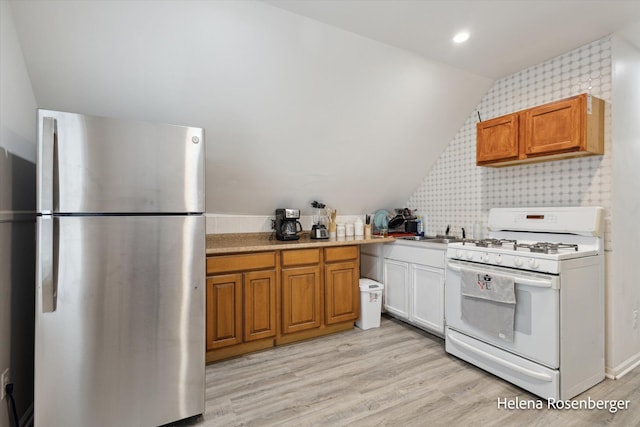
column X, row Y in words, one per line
column 89, row 164
column 125, row 343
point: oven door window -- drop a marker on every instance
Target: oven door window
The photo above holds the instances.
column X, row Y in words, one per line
column 537, row 313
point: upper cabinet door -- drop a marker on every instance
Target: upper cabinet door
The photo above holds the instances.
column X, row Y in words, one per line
column 555, row 127
column 497, row 139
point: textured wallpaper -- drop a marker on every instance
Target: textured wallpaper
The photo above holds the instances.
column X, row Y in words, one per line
column 457, row 192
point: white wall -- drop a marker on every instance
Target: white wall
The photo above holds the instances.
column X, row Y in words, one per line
column 623, row 292
column 294, row 110
column 17, row 137
column 457, row 192
column 17, row 103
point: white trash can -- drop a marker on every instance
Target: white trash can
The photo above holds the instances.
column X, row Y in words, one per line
column 370, row 304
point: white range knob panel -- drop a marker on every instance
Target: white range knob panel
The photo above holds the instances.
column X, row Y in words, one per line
column 521, row 260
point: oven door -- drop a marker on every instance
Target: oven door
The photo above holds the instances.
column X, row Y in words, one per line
column 537, row 313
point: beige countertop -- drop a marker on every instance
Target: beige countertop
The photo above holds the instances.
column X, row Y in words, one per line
column 256, row 242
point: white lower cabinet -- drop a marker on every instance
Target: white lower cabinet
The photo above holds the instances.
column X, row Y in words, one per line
column 413, row 276
column 396, row 288
column 427, row 297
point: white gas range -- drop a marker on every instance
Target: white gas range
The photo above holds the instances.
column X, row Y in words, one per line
column 542, row 328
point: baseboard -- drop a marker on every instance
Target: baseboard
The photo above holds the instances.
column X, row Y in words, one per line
column 624, row 368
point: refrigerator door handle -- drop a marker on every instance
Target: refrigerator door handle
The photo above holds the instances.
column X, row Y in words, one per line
column 48, row 253
column 49, row 168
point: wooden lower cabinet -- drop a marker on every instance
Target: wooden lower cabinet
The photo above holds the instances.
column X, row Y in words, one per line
column 259, row 305
column 301, row 304
column 342, row 297
column 258, row 300
column 224, row 310
column 241, row 306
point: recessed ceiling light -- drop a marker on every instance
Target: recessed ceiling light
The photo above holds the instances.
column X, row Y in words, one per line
column 461, row 37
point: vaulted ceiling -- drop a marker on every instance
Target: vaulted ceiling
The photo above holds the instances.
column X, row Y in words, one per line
column 505, row 36
column 347, row 102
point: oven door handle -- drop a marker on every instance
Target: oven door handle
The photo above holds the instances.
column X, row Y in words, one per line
column 519, row 279
column 528, row 372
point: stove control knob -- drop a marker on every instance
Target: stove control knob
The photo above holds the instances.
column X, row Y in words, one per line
column 498, row 259
column 459, row 254
column 533, row 263
column 484, row 258
column 469, row 255
column 517, row 261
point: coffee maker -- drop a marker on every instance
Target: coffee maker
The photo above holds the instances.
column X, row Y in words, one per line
column 287, row 224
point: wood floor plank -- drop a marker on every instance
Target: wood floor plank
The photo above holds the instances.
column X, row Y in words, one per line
column 395, row 375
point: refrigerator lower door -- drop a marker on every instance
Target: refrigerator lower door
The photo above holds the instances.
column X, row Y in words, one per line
column 120, row 333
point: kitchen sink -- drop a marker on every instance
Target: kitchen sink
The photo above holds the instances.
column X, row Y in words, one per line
column 433, row 239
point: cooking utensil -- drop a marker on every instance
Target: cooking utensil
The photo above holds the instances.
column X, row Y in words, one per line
column 396, row 221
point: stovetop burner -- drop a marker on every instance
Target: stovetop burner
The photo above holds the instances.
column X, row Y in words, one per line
column 491, row 243
column 538, row 247
column 546, row 247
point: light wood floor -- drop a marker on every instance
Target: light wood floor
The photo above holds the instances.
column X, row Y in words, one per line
column 394, row 375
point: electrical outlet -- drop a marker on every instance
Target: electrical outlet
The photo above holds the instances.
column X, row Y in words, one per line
column 273, row 224
column 3, row 382
column 635, row 319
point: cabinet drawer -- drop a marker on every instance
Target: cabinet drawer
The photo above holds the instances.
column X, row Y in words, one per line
column 341, row 253
column 243, row 262
column 414, row 254
column 300, row 257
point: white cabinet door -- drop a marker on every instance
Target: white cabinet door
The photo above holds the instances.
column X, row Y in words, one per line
column 427, row 298
column 396, row 288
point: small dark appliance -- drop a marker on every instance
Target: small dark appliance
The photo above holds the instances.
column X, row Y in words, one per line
column 287, row 224
column 318, row 230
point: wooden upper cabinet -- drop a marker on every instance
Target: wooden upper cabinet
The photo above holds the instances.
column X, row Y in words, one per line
column 497, row 139
column 572, row 127
column 555, row 128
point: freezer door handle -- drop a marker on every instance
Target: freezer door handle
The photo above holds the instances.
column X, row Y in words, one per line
column 48, row 254
column 48, row 165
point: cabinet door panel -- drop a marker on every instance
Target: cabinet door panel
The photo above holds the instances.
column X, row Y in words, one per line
column 259, row 305
column 554, row 128
column 301, row 304
column 342, row 292
column 396, row 288
column 428, row 297
column 224, row 310
column 497, row 139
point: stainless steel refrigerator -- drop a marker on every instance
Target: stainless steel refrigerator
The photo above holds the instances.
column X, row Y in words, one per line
column 120, row 272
